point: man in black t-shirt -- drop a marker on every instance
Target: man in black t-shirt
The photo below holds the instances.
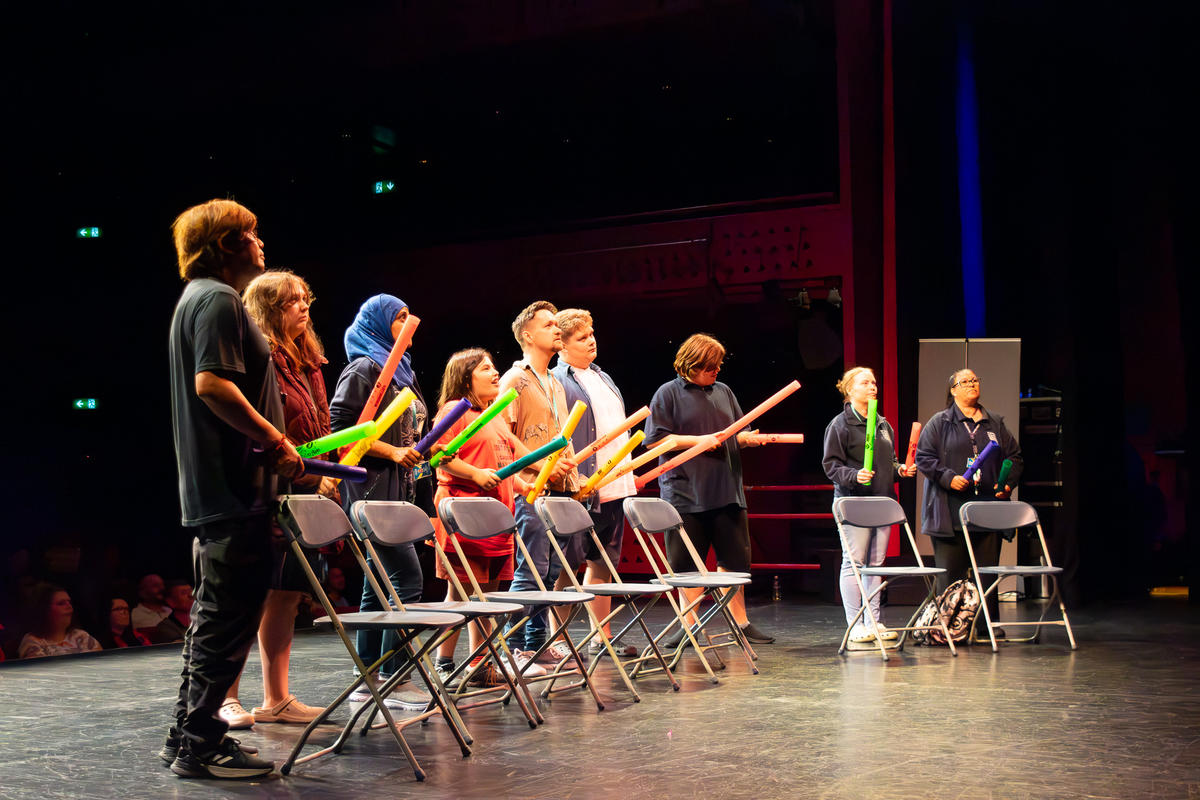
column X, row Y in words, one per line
column 227, row 420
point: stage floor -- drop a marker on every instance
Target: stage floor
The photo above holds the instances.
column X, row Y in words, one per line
column 1118, row 718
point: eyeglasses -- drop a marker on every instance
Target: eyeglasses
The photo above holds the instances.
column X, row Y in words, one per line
column 120, row 608
column 307, row 299
column 968, row 382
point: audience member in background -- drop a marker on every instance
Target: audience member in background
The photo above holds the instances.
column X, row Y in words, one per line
column 52, row 629
column 179, row 599
column 119, row 632
column 152, row 608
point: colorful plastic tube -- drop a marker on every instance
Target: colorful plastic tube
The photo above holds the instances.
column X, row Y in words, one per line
column 330, row 469
column 775, row 438
column 913, row 438
column 594, row 482
column 335, row 440
column 389, row 368
column 872, row 424
column 398, row 406
column 978, row 462
column 553, row 446
column 1005, row 468
column 487, row 416
column 692, row 452
column 630, row 421
column 568, row 428
column 442, row 425
column 665, row 446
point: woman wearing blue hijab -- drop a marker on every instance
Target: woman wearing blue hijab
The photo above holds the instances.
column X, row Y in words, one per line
column 395, row 471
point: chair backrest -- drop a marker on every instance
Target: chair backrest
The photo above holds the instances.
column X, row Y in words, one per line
column 390, row 522
column 997, row 516
column 315, row 521
column 564, row 516
column 868, row 512
column 651, row 514
column 476, row 517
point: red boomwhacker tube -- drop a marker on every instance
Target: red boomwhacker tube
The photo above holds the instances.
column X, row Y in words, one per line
column 697, row 449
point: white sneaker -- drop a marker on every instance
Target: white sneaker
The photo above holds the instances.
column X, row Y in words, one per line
column 522, row 658
column 558, row 653
column 234, row 715
column 860, row 634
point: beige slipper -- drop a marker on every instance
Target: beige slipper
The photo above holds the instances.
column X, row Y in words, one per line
column 289, row 710
column 234, row 715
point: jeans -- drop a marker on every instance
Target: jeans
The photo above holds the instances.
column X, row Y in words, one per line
column 868, row 547
column 545, row 563
column 231, row 563
column 404, row 571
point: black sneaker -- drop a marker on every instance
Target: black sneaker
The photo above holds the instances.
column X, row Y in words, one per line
column 755, row 636
column 170, row 749
column 228, row 761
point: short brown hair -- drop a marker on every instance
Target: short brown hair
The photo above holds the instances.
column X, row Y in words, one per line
column 843, row 385
column 699, row 351
column 571, row 320
column 265, row 297
column 526, row 316
column 456, row 380
column 208, row 234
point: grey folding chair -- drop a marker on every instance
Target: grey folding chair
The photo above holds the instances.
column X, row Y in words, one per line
column 312, row 521
column 564, row 518
column 1011, row 516
column 651, row 516
column 879, row 512
column 393, row 523
column 482, row 517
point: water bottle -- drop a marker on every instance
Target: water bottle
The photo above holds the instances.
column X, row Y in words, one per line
column 776, row 595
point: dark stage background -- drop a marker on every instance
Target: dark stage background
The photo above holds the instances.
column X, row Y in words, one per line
column 673, row 167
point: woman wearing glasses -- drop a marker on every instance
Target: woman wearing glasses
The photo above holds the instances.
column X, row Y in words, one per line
column 949, row 442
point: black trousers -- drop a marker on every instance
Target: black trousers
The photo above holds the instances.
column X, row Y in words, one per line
column 951, row 555
column 231, row 563
column 726, row 530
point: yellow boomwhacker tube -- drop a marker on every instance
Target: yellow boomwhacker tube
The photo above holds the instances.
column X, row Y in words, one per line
column 665, row 446
column 390, row 414
column 593, row 483
column 594, row 447
column 544, row 476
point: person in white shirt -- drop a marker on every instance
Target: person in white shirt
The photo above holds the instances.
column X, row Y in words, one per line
column 584, row 380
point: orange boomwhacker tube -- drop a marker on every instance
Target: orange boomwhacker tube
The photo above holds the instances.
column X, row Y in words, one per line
column 630, row 421
column 389, row 368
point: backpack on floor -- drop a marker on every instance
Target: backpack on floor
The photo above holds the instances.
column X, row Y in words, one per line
column 958, row 606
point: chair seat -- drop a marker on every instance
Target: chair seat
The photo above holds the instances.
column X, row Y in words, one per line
column 536, row 598
column 621, row 589
column 898, row 571
column 470, row 608
column 1019, row 570
column 702, row 581
column 714, row 572
column 387, row 620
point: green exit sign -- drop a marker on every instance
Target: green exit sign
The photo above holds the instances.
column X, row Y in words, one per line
column 87, row 233
column 385, row 187
column 85, row 404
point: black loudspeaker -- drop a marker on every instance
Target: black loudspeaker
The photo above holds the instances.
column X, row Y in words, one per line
column 1040, row 435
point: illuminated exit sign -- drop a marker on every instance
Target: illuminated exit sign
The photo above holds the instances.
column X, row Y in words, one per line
column 87, row 233
column 385, row 187
column 85, row 404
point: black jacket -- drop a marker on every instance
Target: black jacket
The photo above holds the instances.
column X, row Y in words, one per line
column 845, row 450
